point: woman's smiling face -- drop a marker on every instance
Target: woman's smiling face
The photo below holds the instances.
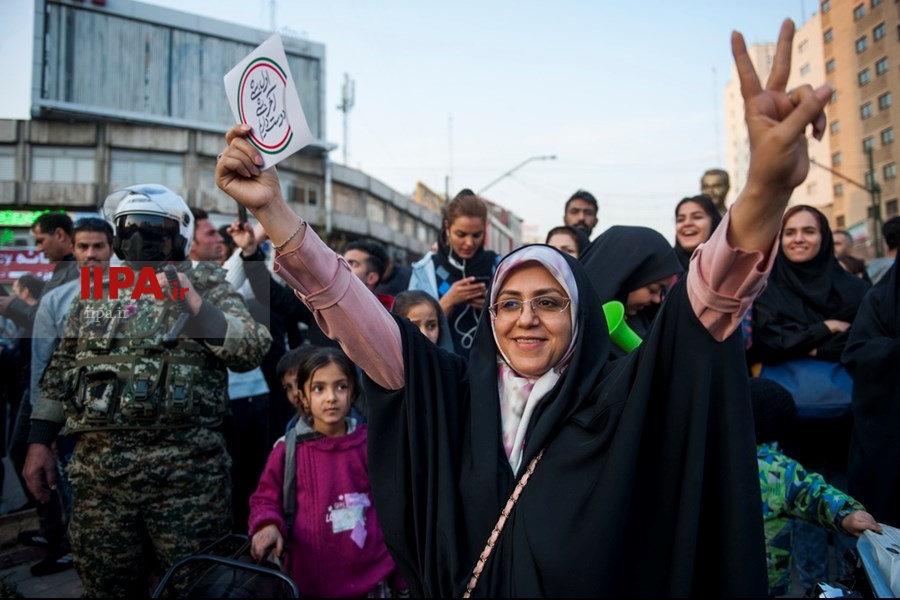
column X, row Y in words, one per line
column 533, row 343
column 801, row 237
column 693, row 226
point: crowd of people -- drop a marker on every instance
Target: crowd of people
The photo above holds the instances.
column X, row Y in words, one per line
column 467, row 424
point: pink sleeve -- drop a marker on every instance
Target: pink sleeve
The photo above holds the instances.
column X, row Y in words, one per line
column 723, row 281
column 345, row 309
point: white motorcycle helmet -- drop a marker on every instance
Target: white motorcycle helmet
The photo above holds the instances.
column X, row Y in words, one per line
column 144, row 217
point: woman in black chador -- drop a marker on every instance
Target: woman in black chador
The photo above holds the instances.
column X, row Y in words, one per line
column 872, row 356
column 536, row 467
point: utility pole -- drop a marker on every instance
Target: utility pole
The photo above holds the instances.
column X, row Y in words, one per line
column 874, row 190
column 348, row 98
column 875, row 208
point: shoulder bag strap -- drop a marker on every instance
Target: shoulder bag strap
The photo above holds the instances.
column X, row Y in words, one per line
column 504, row 515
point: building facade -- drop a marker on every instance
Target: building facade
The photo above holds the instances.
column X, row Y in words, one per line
column 854, row 45
column 126, row 93
column 862, row 57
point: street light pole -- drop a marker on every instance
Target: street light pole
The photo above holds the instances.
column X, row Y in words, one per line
column 516, row 168
column 874, row 192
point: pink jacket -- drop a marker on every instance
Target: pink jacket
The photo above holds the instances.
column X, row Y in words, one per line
column 335, row 547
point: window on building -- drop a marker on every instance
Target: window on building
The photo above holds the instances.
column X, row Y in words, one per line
column 865, row 111
column 804, row 70
column 890, row 207
column 828, row 35
column 839, row 189
column 375, row 209
column 826, row 6
column 890, row 171
column 840, row 221
column 836, row 159
column 423, row 234
column 884, row 101
column 834, row 97
column 887, row 136
column 864, row 77
column 829, row 66
column 392, row 217
column 868, row 143
column 875, row 3
column 859, row 12
column 861, row 44
column 7, row 163
column 878, row 32
column 835, row 127
column 802, row 47
column 56, row 164
column 206, row 173
column 129, row 166
column 881, row 66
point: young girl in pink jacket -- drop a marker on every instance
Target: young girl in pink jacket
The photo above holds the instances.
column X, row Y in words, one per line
column 329, row 540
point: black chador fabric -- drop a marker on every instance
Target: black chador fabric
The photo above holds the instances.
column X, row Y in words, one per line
column 648, row 485
column 872, row 357
column 706, row 203
column 625, row 258
column 788, row 317
column 449, row 268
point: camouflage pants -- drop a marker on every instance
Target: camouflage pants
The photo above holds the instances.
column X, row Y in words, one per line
column 136, row 494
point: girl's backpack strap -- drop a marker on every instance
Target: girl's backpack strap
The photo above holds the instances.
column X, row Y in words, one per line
column 289, row 495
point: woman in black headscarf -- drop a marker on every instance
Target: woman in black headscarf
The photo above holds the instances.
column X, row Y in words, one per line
column 810, row 300
column 634, row 265
column 584, row 477
column 696, row 217
column 801, row 322
column 872, row 356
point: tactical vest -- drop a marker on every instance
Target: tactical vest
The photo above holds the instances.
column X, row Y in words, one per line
column 124, row 378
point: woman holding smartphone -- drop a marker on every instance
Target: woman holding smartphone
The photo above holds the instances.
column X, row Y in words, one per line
column 457, row 273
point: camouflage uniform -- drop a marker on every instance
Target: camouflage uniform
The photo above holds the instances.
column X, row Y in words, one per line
column 150, row 465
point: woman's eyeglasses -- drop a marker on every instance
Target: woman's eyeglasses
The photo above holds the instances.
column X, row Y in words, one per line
column 511, row 308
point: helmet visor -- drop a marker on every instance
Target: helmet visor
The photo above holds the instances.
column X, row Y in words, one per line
column 151, row 226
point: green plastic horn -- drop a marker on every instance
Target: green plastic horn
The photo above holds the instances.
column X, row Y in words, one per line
column 619, row 332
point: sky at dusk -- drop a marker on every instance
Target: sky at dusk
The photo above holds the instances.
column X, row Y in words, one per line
column 627, row 96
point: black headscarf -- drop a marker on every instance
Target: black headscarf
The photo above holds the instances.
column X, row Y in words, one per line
column 648, row 485
column 625, row 258
column 709, row 207
column 871, row 357
column 788, row 316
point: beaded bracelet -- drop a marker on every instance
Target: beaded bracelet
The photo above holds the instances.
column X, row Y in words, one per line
column 290, row 237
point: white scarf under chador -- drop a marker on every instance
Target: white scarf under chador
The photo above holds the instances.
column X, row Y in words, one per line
column 518, row 397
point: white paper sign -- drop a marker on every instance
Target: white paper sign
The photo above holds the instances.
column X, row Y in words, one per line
column 262, row 94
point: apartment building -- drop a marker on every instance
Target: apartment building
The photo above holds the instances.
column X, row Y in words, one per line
column 862, row 62
column 854, row 45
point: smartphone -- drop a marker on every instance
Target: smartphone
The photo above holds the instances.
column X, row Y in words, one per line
column 242, row 214
column 485, row 279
